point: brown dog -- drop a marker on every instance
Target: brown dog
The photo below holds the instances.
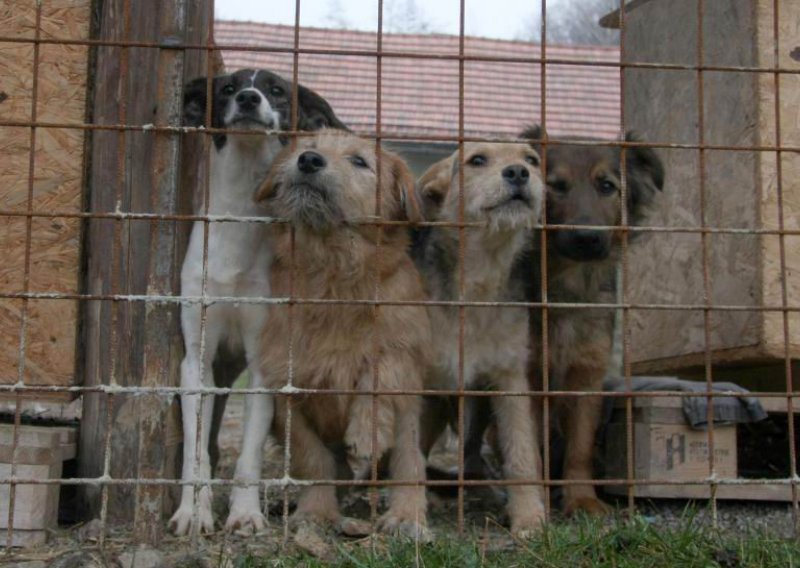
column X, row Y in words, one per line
column 503, row 193
column 584, row 188
column 322, row 187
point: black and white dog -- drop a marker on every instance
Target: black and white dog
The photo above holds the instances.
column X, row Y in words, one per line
column 238, row 262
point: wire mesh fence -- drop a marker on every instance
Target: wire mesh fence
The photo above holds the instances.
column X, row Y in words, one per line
column 134, row 240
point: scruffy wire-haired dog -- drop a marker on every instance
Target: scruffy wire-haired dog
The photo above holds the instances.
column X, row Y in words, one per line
column 321, row 187
column 583, row 188
column 239, row 257
column 502, row 190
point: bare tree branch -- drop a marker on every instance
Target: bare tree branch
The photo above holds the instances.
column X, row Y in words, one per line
column 573, row 22
column 406, row 17
column 336, row 16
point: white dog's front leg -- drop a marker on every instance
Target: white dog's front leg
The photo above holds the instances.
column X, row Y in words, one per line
column 245, row 511
column 190, row 516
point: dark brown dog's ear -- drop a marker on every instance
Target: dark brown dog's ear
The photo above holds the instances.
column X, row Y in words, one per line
column 645, row 173
column 194, row 102
column 645, row 161
column 314, row 112
column 534, row 135
column 403, row 188
column 432, row 187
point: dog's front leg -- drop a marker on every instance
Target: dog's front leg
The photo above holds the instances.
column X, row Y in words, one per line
column 519, row 446
column 580, row 418
column 311, row 459
column 196, row 461
column 245, row 513
column 367, row 415
column 407, row 514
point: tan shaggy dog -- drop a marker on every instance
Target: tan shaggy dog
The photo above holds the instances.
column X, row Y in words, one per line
column 503, row 192
column 583, row 190
column 322, row 187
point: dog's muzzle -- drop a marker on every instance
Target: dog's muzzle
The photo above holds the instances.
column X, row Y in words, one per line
column 583, row 244
column 310, row 162
column 248, row 111
column 516, row 176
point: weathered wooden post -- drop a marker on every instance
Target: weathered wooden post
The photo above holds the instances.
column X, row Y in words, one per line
column 137, row 171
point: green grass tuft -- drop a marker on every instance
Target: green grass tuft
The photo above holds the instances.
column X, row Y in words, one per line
column 616, row 543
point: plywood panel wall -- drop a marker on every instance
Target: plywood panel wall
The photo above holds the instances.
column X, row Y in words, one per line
column 50, row 332
column 739, row 186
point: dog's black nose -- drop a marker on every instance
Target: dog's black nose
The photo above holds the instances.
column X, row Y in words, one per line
column 310, row 162
column 588, row 240
column 516, row 175
column 248, row 99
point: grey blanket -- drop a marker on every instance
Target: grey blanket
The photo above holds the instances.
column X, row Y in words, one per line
column 727, row 409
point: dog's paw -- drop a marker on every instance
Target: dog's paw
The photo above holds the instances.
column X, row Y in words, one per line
column 525, row 527
column 184, row 522
column 246, row 523
column 405, row 526
column 321, row 519
column 360, row 463
column 587, row 505
column 245, row 517
column 349, row 526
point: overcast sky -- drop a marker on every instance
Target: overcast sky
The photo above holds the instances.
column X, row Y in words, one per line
column 494, row 18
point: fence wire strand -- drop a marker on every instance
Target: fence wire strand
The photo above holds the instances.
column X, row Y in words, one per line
column 114, row 386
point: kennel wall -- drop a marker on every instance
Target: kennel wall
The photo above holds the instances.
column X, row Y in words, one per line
column 41, row 255
column 738, row 182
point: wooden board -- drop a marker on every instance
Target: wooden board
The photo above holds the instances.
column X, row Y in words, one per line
column 789, row 111
column 733, row 492
column 137, row 343
column 51, row 325
column 739, row 186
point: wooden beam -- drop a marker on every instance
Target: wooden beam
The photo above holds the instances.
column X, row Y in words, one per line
column 136, row 343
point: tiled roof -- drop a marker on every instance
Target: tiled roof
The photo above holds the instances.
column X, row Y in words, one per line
column 420, row 96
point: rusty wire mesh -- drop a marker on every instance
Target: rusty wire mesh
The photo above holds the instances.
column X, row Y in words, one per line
column 19, row 390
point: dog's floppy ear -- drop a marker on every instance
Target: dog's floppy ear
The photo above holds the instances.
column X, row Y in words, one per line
column 432, row 187
column 645, row 161
column 270, row 184
column 645, row 173
column 267, row 187
column 408, row 208
column 534, row 135
column 194, row 102
column 314, row 112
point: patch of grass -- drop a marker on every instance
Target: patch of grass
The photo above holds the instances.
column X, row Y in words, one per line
column 618, row 543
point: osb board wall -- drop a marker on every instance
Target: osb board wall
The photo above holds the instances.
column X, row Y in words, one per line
column 788, row 58
column 667, row 268
column 58, row 156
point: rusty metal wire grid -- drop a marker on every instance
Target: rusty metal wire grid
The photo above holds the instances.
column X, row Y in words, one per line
column 119, row 295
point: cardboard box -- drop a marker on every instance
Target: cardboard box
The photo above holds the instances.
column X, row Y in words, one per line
column 665, row 448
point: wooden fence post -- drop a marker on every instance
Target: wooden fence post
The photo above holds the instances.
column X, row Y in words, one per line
column 136, row 343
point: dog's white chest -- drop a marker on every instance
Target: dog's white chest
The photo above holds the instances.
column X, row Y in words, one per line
column 238, row 251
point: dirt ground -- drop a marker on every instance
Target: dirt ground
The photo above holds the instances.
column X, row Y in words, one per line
column 75, row 547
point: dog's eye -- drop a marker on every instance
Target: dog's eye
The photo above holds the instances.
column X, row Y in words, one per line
column 358, row 162
column 558, row 185
column 277, row 91
column 532, row 160
column 607, row 187
column 228, row 89
column 477, row 160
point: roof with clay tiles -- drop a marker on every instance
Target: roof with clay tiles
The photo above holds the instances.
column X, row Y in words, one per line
column 419, row 96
